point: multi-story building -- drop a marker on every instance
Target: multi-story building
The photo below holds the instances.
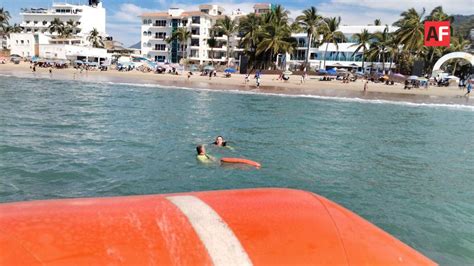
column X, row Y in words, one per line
column 157, row 27
column 88, row 17
column 36, row 40
column 341, row 55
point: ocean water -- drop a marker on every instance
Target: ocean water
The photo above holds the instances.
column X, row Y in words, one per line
column 408, row 168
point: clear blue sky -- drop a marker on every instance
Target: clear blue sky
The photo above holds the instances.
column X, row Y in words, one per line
column 124, row 25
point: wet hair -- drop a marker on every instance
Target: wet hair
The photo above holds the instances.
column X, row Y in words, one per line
column 224, row 143
column 199, row 149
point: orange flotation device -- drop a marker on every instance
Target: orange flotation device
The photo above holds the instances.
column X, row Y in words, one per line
column 241, row 160
column 233, row 227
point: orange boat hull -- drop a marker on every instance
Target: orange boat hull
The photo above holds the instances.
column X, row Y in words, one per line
column 244, row 227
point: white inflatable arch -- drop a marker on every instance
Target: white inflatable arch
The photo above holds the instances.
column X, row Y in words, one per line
column 467, row 56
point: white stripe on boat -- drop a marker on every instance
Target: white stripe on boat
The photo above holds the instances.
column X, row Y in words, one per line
column 221, row 243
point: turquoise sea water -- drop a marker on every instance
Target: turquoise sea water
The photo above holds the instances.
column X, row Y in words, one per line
column 406, row 168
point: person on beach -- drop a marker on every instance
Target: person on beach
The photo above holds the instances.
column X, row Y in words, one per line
column 469, row 88
column 210, row 75
column 366, row 84
column 202, row 156
column 50, row 70
column 246, row 79
column 189, row 74
column 257, row 78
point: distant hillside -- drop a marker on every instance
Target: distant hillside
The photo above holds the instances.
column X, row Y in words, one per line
column 138, row 45
column 463, row 24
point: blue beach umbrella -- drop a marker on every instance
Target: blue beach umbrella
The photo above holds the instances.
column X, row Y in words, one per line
column 230, row 70
column 332, row 71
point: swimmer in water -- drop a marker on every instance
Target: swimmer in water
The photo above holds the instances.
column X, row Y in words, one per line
column 220, row 142
column 202, row 156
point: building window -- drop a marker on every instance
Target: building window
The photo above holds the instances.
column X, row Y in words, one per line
column 35, row 22
column 27, row 22
column 22, row 42
column 149, row 33
column 160, row 35
column 160, row 23
column 160, row 47
column 196, row 20
column 144, row 33
column 160, row 58
column 185, row 22
column 45, row 22
column 145, row 21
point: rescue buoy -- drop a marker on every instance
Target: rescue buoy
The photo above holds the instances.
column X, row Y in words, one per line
column 233, row 227
column 240, row 160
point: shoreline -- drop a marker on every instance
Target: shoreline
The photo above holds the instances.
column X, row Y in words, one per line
column 311, row 88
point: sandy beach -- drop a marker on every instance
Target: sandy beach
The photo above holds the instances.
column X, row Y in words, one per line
column 269, row 84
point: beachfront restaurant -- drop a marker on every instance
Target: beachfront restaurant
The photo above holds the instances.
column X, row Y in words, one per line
column 74, row 53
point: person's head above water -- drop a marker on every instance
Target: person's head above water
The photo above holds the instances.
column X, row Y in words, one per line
column 201, row 150
column 220, row 141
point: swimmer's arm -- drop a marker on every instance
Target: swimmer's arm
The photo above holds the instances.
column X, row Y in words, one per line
column 230, row 148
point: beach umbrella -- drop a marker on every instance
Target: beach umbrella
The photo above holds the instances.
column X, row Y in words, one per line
column 398, row 75
column 287, row 72
column 332, row 71
column 422, row 79
column 230, row 70
column 209, row 67
column 322, row 71
column 412, row 77
column 193, row 68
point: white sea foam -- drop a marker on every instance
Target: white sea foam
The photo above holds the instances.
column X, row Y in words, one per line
column 333, row 98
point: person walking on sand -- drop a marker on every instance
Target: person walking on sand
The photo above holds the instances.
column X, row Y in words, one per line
column 257, row 79
column 210, row 75
column 366, row 84
column 469, row 88
column 246, row 79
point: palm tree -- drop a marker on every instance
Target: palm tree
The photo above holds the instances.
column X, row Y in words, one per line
column 4, row 18
column 362, row 40
column 15, row 28
column 437, row 14
column 228, row 27
column 309, row 23
column 331, row 34
column 212, row 43
column 379, row 45
column 249, row 27
column 73, row 25
column 95, row 39
column 411, row 30
column 274, row 37
column 56, row 26
column 182, row 35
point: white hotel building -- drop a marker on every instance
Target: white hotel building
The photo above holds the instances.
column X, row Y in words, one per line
column 36, row 40
column 156, row 27
column 340, row 56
